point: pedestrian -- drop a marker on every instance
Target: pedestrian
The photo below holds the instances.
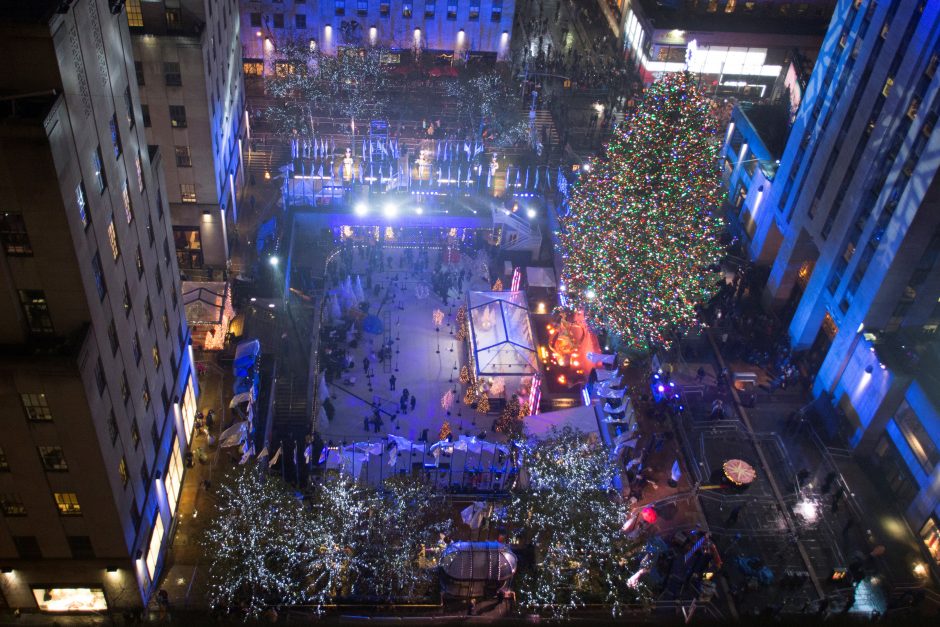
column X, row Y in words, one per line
column 365, row 365
column 848, row 526
column 365, row 424
column 403, row 404
column 413, row 402
column 391, row 383
column 827, row 483
column 733, row 516
column 718, row 409
column 700, row 374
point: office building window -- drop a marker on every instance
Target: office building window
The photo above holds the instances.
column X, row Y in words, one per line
column 135, row 434
column 129, row 107
column 154, row 436
column 148, row 311
column 177, row 116
column 12, row 505
column 429, row 6
column 150, row 234
column 166, row 252
column 81, row 547
column 81, row 203
column 917, row 438
column 139, row 71
column 166, row 324
column 406, row 8
column 128, row 203
column 27, row 547
column 53, row 458
column 183, row 157
column 135, row 18
column 278, row 20
column 187, row 192
column 452, row 9
column 115, row 136
column 384, row 8
column 254, row 19
column 112, row 238
column 128, row 303
column 13, row 236
column 497, row 13
column 362, row 7
column 100, row 380
column 145, row 394
column 135, row 346
column 113, row 338
column 139, row 260
column 340, row 7
column 36, row 407
column 112, row 427
column 156, row 356
column 474, row 13
column 125, row 387
column 300, row 20
column 99, row 276
column 98, row 164
column 140, row 173
column 36, row 311
column 4, row 465
column 122, row 471
column 67, row 502
column 174, row 18
column 145, row 114
column 159, row 279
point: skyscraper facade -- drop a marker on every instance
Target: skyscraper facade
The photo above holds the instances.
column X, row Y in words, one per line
column 97, row 389
column 189, row 73
column 852, row 214
column 441, row 27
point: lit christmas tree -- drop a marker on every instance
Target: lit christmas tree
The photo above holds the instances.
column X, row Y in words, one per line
column 644, row 228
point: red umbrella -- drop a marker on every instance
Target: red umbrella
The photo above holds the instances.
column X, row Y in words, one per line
column 649, row 515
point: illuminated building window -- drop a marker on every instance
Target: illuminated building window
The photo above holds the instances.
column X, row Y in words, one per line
column 67, row 502
column 112, row 238
column 13, row 236
column 153, row 550
column 429, row 7
column 70, row 599
column 135, row 18
column 122, row 471
column 12, row 505
column 187, row 192
column 174, row 477
column 474, row 13
column 128, row 203
column 37, row 409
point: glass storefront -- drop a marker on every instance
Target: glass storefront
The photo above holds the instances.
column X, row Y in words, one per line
column 930, row 534
column 156, row 541
column 189, row 409
column 70, row 599
column 174, row 477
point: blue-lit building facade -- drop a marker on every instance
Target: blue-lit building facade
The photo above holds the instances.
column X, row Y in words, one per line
column 447, row 30
column 187, row 58
column 851, row 226
column 98, row 391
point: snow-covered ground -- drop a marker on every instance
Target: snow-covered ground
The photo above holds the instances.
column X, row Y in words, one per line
column 415, row 362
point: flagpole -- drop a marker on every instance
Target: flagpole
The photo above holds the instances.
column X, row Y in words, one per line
column 296, row 465
column 281, row 448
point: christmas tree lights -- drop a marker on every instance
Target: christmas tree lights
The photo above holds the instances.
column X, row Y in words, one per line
column 644, row 228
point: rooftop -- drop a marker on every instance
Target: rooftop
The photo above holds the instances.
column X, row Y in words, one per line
column 768, row 16
column 914, row 353
column 31, row 11
column 772, row 123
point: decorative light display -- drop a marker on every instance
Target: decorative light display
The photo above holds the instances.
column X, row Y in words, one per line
column 345, row 539
column 510, row 420
column 570, row 510
column 444, row 432
column 464, row 375
column 644, row 228
column 498, row 285
column 483, row 405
